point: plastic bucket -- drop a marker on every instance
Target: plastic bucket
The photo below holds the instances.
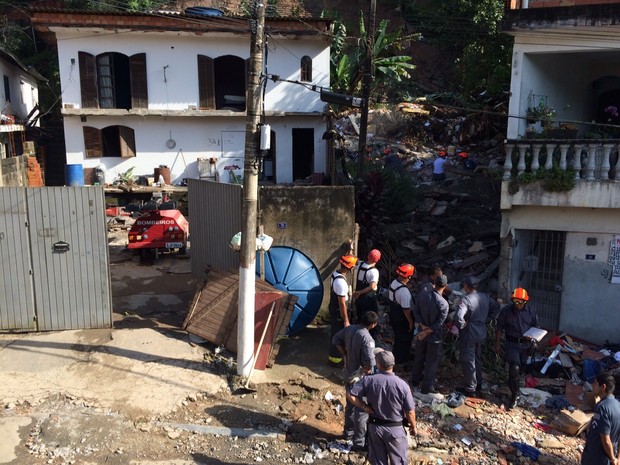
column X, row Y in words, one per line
column 74, row 175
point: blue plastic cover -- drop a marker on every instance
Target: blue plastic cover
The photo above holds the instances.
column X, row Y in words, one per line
column 290, row 270
column 203, row 11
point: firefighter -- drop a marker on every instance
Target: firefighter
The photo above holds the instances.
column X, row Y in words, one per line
column 338, row 304
column 365, row 295
column 514, row 321
column 401, row 316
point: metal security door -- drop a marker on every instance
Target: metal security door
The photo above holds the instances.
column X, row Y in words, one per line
column 70, row 257
column 17, row 312
column 538, row 266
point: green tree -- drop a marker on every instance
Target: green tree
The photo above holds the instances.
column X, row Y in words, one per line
column 348, row 58
column 471, row 30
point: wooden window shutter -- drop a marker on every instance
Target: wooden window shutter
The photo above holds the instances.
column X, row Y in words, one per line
column 306, row 69
column 88, row 80
column 206, row 83
column 139, row 89
column 92, row 142
column 127, row 142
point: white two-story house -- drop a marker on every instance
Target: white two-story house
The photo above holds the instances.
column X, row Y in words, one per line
column 19, row 99
column 144, row 90
column 562, row 242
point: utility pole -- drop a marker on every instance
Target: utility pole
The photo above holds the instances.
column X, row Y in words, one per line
column 366, row 83
column 247, row 267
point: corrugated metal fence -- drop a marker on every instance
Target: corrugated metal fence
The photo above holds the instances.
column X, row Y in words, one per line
column 213, row 223
column 55, row 261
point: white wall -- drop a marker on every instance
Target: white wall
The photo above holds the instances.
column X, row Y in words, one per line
column 195, row 138
column 179, row 53
column 590, row 302
column 562, row 67
column 23, row 88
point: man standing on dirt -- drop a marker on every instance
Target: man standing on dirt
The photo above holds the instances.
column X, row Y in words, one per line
column 430, row 313
column 389, row 401
column 401, row 316
column 338, row 308
column 365, row 295
column 603, row 436
column 472, row 314
column 514, row 321
column 356, row 345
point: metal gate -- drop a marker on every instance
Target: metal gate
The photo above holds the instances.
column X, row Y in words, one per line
column 538, row 265
column 57, row 275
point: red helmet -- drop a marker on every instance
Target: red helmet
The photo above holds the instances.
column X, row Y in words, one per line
column 374, row 256
column 405, row 270
column 348, row 261
column 441, row 153
column 520, row 294
column 463, row 155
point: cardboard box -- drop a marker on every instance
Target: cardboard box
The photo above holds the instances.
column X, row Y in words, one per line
column 572, row 423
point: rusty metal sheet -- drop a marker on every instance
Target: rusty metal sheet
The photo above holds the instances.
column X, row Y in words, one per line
column 213, row 312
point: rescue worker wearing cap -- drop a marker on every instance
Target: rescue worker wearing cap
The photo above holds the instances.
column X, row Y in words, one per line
column 338, row 304
column 401, row 316
column 514, row 321
column 357, row 347
column 388, row 402
column 473, row 313
column 367, row 277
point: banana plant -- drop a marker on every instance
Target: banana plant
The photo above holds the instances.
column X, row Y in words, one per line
column 348, row 58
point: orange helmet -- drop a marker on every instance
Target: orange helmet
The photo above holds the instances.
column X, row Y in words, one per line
column 374, row 256
column 405, row 270
column 348, row 261
column 520, row 294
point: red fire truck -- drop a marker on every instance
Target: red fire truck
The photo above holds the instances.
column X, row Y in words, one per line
column 159, row 230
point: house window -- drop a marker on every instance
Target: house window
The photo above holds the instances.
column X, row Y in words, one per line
column 306, row 68
column 112, row 141
column 7, row 89
column 113, row 80
column 222, row 82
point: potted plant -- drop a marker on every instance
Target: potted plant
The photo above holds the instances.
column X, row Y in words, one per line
column 540, row 112
column 563, row 131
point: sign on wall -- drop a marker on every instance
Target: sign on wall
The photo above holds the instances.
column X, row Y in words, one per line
column 614, row 260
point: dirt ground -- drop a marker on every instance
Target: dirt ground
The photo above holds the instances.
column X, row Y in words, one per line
column 288, row 419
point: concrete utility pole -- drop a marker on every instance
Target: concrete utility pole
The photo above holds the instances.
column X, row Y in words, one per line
column 366, row 83
column 247, row 273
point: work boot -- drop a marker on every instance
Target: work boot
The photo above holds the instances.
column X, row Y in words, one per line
column 514, row 401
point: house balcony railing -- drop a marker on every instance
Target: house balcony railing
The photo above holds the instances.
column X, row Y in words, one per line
column 591, row 160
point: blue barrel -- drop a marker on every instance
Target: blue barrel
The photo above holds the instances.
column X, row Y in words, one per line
column 74, row 175
column 292, row 271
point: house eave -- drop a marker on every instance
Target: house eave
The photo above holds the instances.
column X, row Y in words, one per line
column 605, row 16
column 116, row 112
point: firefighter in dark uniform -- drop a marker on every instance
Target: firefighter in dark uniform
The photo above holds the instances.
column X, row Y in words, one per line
column 365, row 295
column 401, row 315
column 338, row 304
column 514, row 320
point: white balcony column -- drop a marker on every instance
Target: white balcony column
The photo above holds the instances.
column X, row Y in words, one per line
column 521, row 164
column 563, row 152
column 549, row 161
column 605, row 165
column 508, row 162
column 591, row 164
column 535, row 157
column 577, row 160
